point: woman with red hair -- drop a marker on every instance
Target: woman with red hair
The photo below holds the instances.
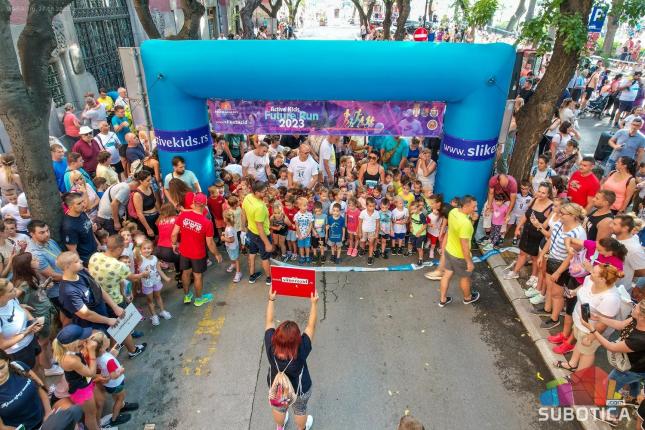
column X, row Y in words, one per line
column 287, row 350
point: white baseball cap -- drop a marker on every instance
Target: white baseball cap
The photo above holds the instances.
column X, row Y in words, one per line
column 85, row 130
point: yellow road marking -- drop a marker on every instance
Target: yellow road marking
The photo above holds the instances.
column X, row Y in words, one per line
column 206, row 334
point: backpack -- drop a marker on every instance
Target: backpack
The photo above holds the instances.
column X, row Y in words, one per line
column 281, row 392
column 132, row 211
column 576, row 266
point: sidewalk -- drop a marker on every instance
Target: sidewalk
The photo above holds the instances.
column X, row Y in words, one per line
column 531, row 322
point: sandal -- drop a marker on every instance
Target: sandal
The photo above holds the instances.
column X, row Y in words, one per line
column 561, row 365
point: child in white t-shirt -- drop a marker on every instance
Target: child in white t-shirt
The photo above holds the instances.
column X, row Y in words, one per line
column 229, row 237
column 151, row 285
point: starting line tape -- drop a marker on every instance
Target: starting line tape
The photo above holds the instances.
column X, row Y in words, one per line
column 398, row 268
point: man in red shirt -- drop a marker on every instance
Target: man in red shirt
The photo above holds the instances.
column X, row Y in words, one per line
column 583, row 184
column 196, row 233
column 88, row 148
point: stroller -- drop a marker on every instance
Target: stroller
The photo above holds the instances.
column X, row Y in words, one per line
column 596, row 106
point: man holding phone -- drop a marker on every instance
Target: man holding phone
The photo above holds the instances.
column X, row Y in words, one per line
column 628, row 142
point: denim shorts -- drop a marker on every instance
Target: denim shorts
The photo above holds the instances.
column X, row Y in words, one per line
column 117, row 389
column 334, row 243
column 398, row 236
column 304, row 243
column 291, row 236
column 233, row 253
column 299, row 407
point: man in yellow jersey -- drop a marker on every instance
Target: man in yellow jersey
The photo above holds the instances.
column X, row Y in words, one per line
column 458, row 259
column 257, row 236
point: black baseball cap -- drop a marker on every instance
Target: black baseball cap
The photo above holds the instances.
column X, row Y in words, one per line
column 72, row 333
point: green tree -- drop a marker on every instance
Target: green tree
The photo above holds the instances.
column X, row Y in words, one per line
column 480, row 14
column 292, row 6
column 567, row 20
column 25, row 104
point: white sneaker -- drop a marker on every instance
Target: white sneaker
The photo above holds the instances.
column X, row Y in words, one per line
column 230, row 268
column 55, row 370
column 531, row 292
column 511, row 275
column 510, row 266
column 165, row 315
column 310, row 422
column 238, row 277
column 537, row 299
column 532, row 282
column 155, row 320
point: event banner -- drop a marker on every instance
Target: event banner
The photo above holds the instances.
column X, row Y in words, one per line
column 327, row 117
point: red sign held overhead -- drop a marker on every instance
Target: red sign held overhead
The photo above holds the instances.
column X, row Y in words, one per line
column 291, row 281
column 420, row 35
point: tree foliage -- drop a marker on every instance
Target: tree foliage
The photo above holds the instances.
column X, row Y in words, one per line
column 480, row 13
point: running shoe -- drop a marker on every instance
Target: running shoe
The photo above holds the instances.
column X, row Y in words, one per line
column 155, row 320
column 165, row 315
column 443, row 304
column 238, row 277
column 129, row 406
column 294, row 257
column 537, row 299
column 556, row 339
column 230, row 268
column 188, row 298
column 267, row 281
column 309, row 423
column 350, row 251
column 202, row 300
column 138, row 349
column 474, row 296
column 564, row 348
column 511, row 275
column 354, row 252
column 370, row 261
column 531, row 292
column 434, row 275
column 254, row 277
column 285, row 258
column 419, row 262
column 532, row 281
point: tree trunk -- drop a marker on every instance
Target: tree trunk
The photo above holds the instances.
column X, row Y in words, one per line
column 429, row 12
column 387, row 19
column 25, row 105
column 612, row 28
column 515, row 19
column 273, row 13
column 293, row 11
column 193, row 11
column 536, row 115
column 142, row 7
column 368, row 12
column 530, row 11
column 404, row 13
column 246, row 14
column 362, row 16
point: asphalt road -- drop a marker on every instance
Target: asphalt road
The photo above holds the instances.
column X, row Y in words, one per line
column 382, row 347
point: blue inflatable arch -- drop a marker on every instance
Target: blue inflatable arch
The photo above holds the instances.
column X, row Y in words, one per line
column 472, row 79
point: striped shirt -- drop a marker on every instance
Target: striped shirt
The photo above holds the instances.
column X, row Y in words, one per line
column 558, row 250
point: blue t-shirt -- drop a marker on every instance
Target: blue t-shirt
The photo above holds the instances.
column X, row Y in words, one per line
column 78, row 231
column 135, row 153
column 336, row 227
column 400, row 150
column 19, row 400
column 631, row 144
column 82, row 292
column 116, row 121
column 385, row 221
column 60, row 167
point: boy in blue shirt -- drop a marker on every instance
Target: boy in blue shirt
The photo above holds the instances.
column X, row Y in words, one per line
column 335, row 232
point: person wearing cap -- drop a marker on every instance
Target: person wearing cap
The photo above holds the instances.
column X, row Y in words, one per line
column 23, row 399
column 196, row 233
column 76, row 354
column 88, row 148
column 71, row 124
column 629, row 142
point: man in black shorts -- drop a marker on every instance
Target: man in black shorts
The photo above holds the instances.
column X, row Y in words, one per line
column 196, row 232
column 258, row 237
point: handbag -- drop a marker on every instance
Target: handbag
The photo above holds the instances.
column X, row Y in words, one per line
column 619, row 361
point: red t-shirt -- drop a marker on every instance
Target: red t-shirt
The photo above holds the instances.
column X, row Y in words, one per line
column 165, row 227
column 508, row 190
column 195, row 228
column 290, row 213
column 582, row 187
column 216, row 206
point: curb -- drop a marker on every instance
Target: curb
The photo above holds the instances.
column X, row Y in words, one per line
column 515, row 294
